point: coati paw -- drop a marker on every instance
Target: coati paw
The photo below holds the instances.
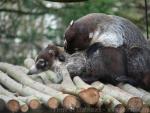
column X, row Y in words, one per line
column 125, row 79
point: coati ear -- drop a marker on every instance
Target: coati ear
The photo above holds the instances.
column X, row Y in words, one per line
column 71, row 23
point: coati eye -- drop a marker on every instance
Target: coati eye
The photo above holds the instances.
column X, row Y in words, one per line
column 41, row 64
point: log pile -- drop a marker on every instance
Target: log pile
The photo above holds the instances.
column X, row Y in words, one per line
column 21, row 92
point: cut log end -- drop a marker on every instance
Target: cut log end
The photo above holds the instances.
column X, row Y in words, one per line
column 90, row 96
column 145, row 109
column 34, row 104
column 53, row 103
column 24, row 108
column 71, row 102
column 13, row 106
column 2, row 104
column 134, row 104
column 119, row 109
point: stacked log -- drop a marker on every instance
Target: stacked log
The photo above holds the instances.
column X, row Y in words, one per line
column 20, row 92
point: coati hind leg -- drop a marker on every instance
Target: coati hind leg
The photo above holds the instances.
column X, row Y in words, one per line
column 125, row 79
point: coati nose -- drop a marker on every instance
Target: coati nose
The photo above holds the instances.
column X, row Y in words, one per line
column 29, row 73
column 33, row 70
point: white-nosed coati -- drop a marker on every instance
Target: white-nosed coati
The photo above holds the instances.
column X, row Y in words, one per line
column 107, row 64
column 113, row 50
column 109, row 30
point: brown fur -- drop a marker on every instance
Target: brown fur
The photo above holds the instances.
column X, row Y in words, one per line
column 77, row 34
column 107, row 64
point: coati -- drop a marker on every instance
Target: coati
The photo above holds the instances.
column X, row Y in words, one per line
column 109, row 30
column 107, row 64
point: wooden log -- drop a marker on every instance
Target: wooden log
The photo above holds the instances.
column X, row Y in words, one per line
column 35, row 77
column 32, row 101
column 2, row 104
column 26, row 80
column 68, row 86
column 27, row 91
column 143, row 91
column 98, row 85
column 134, row 91
column 146, row 96
column 86, row 92
column 22, row 106
column 14, row 105
column 24, row 69
column 145, row 109
column 113, row 105
column 133, row 103
column 85, row 95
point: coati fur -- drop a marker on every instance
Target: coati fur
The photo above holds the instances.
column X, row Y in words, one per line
column 107, row 64
column 109, row 30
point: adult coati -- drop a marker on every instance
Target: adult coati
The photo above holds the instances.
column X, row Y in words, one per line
column 109, row 30
column 107, row 64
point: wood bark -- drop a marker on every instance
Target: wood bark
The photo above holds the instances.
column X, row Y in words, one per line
column 86, row 92
column 2, row 105
column 134, row 91
column 113, row 105
column 27, row 91
column 13, row 104
column 32, row 101
column 133, row 103
column 26, row 80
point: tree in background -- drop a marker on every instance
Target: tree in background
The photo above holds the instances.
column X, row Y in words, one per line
column 27, row 26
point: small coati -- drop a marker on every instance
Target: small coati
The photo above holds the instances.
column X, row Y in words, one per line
column 107, row 64
column 109, row 30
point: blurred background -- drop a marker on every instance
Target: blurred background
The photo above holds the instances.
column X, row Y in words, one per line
column 27, row 26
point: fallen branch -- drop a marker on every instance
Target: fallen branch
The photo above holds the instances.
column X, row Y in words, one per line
column 36, row 77
column 112, row 104
column 61, row 71
column 86, row 92
column 32, row 101
column 145, row 109
column 14, row 105
column 134, row 91
column 27, row 91
column 143, row 91
column 26, row 80
column 133, row 104
column 2, row 104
